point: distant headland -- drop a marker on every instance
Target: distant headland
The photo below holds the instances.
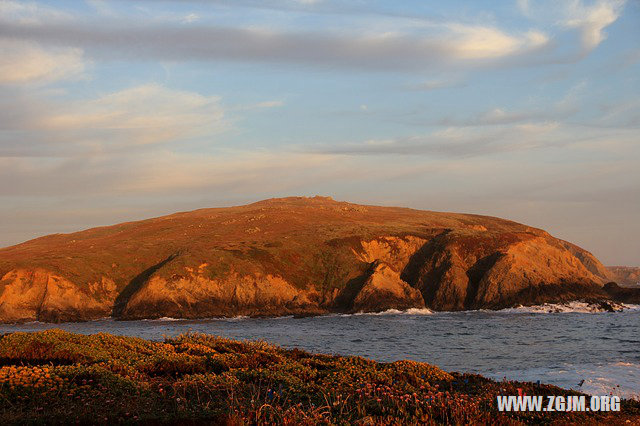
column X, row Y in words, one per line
column 296, row 256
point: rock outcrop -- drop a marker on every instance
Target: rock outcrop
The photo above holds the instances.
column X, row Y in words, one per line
column 40, row 295
column 623, row 294
column 300, row 256
column 383, row 290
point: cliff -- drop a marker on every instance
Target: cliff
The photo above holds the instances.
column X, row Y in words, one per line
column 298, row 255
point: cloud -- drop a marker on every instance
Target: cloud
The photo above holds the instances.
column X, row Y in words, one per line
column 591, row 21
column 149, row 113
column 190, row 18
column 480, row 141
column 24, row 62
column 442, row 45
column 449, row 143
column 399, row 43
column 497, row 116
column 125, row 119
column 233, row 171
column 30, row 13
column 161, row 172
column 481, row 42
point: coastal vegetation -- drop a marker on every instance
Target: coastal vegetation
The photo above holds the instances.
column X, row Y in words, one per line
column 59, row 377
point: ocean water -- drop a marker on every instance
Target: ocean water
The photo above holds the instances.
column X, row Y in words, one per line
column 561, row 345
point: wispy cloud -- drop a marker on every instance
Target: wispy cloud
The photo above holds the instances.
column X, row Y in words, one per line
column 444, row 44
column 161, row 172
column 588, row 19
column 414, row 45
column 24, row 62
column 480, row 141
column 140, row 115
column 591, row 21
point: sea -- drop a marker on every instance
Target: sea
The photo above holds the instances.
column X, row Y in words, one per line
column 573, row 346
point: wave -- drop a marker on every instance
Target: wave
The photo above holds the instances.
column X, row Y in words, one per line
column 546, row 308
column 616, row 378
column 171, row 319
column 410, row 311
column 568, row 307
column 163, row 319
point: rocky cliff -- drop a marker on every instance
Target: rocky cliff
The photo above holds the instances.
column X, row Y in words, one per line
column 299, row 256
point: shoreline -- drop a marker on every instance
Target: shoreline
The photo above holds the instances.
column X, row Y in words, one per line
column 574, row 306
column 203, row 379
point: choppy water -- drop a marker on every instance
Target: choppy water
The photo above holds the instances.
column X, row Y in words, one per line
column 563, row 348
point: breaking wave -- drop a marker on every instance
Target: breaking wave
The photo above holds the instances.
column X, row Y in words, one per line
column 616, row 378
column 410, row 311
column 570, row 307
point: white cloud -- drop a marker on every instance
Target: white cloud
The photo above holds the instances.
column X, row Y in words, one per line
column 389, row 46
column 30, row 12
column 140, row 115
column 26, row 62
column 481, row 42
column 592, row 20
column 190, row 18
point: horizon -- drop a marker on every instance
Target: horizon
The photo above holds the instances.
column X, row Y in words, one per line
column 117, row 111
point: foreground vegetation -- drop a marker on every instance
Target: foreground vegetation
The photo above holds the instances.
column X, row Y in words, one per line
column 59, row 377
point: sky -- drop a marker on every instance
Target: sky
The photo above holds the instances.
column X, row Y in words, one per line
column 529, row 110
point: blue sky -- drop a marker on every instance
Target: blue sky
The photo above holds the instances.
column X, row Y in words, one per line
column 121, row 110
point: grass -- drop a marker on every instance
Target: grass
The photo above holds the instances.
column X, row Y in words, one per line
column 59, row 377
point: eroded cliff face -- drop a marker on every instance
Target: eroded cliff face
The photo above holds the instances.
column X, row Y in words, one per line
column 195, row 296
column 470, row 270
column 383, row 290
column 40, row 295
column 292, row 256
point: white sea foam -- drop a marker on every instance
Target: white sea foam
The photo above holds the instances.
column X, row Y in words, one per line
column 236, row 318
column 568, row 307
column 410, row 311
column 165, row 319
column 282, row 317
column 617, row 378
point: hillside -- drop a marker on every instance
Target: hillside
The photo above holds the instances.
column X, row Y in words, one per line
column 294, row 255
